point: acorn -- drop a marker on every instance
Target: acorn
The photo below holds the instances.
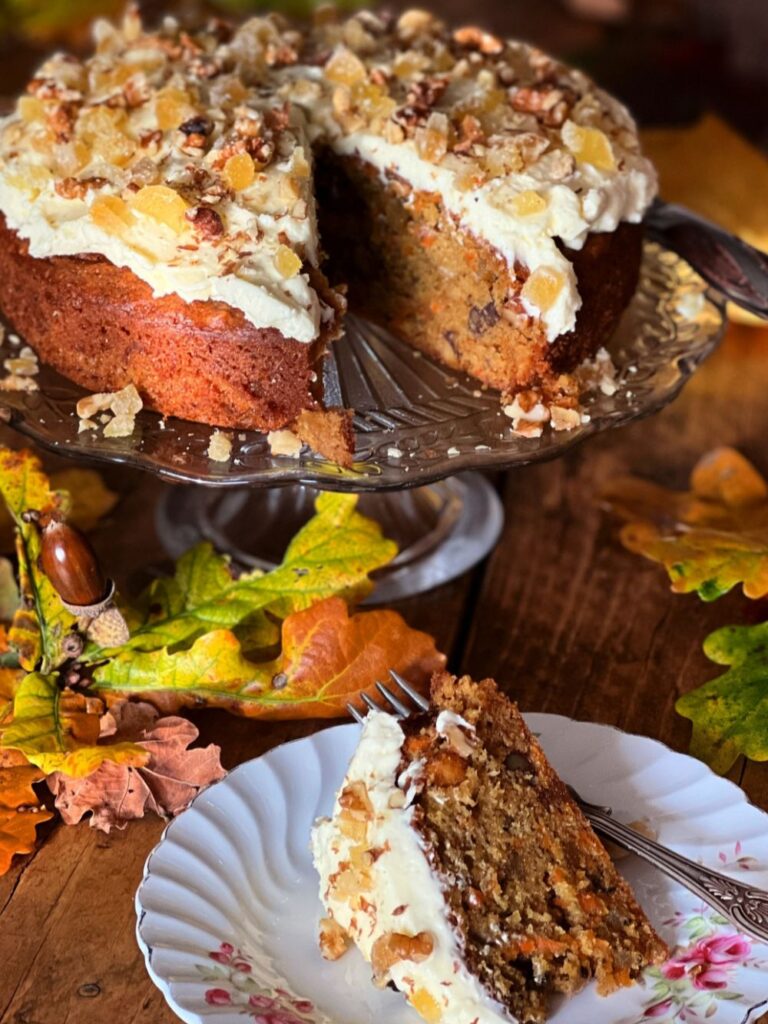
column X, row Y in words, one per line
column 70, row 563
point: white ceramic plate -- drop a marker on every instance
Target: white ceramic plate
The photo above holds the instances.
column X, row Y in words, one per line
column 228, row 907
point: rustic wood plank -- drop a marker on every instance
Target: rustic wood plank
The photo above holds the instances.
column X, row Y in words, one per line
column 572, row 623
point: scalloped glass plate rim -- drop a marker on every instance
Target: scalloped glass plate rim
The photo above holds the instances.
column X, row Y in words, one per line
column 405, row 438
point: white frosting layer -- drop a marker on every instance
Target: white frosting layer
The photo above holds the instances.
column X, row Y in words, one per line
column 55, row 226
column 405, row 896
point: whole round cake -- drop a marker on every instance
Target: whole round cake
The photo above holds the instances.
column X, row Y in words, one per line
column 163, row 205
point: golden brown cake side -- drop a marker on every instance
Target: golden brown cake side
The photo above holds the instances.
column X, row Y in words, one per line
column 99, row 325
column 450, row 294
column 539, row 904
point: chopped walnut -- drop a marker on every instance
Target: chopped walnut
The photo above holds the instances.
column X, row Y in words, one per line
column 476, row 39
column 392, row 947
column 206, row 222
column 355, row 802
column 333, row 940
column 219, row 447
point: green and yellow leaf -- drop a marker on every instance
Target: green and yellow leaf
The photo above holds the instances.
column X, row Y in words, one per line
column 730, row 713
column 710, row 538
column 333, row 555
column 40, row 625
column 58, row 729
column 328, row 658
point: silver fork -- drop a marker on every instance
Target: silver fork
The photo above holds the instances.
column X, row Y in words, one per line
column 745, row 906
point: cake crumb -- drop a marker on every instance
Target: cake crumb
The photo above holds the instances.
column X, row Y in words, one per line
column 21, row 369
column 394, row 453
column 452, row 453
column 116, row 410
column 284, row 442
column 220, row 446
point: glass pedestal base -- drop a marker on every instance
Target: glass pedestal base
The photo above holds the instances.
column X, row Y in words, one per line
column 441, row 530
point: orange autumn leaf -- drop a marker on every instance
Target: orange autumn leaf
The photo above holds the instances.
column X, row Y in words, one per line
column 20, row 808
column 328, row 658
column 709, row 538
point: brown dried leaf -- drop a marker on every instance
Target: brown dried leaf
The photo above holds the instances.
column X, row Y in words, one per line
column 115, row 794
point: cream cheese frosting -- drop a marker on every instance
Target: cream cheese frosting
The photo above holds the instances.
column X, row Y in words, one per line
column 400, row 893
column 527, row 155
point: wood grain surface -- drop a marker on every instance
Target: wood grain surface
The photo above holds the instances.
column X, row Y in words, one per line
column 560, row 614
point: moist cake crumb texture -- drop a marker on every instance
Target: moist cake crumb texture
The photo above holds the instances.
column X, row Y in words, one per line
column 457, row 862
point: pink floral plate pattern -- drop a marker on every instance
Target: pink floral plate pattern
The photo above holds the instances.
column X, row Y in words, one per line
column 228, row 907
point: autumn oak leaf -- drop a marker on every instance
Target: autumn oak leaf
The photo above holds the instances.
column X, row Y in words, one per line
column 710, row 538
column 328, row 658
column 115, row 794
column 730, row 713
column 20, row 808
column 58, row 729
column 332, row 555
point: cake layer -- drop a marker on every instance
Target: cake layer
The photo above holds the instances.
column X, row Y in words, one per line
column 101, row 326
column 448, row 293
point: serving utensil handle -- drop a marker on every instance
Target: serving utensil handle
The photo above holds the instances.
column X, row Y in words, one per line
column 735, row 268
column 743, row 905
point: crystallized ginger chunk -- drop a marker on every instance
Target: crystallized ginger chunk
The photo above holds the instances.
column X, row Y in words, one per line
column 239, row 171
column 162, row 204
column 528, row 204
column 425, row 1005
column 111, row 214
column 589, row 146
column 288, row 264
column 543, row 287
column 345, row 68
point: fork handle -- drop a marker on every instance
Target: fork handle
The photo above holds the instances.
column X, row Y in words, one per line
column 738, row 270
column 744, row 906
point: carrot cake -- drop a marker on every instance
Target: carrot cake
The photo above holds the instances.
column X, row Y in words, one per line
column 159, row 206
column 458, row 863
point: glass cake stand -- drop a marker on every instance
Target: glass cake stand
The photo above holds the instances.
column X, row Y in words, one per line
column 423, row 432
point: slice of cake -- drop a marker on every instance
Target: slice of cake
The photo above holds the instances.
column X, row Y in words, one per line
column 460, row 866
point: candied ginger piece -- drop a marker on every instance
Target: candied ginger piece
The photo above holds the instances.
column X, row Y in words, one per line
column 345, row 68
column 425, row 1005
column 163, row 204
column 543, row 287
column 288, row 264
column 173, row 107
column 30, row 109
column 239, row 171
column 528, row 204
column 589, row 146
column 111, row 214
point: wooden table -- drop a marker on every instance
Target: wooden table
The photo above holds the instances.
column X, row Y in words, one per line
column 560, row 614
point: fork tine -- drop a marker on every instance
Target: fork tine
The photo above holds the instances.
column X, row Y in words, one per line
column 390, row 698
column 406, row 687
column 370, row 702
column 355, row 713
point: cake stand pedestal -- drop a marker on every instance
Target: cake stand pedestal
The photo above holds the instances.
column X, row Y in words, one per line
column 441, row 530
